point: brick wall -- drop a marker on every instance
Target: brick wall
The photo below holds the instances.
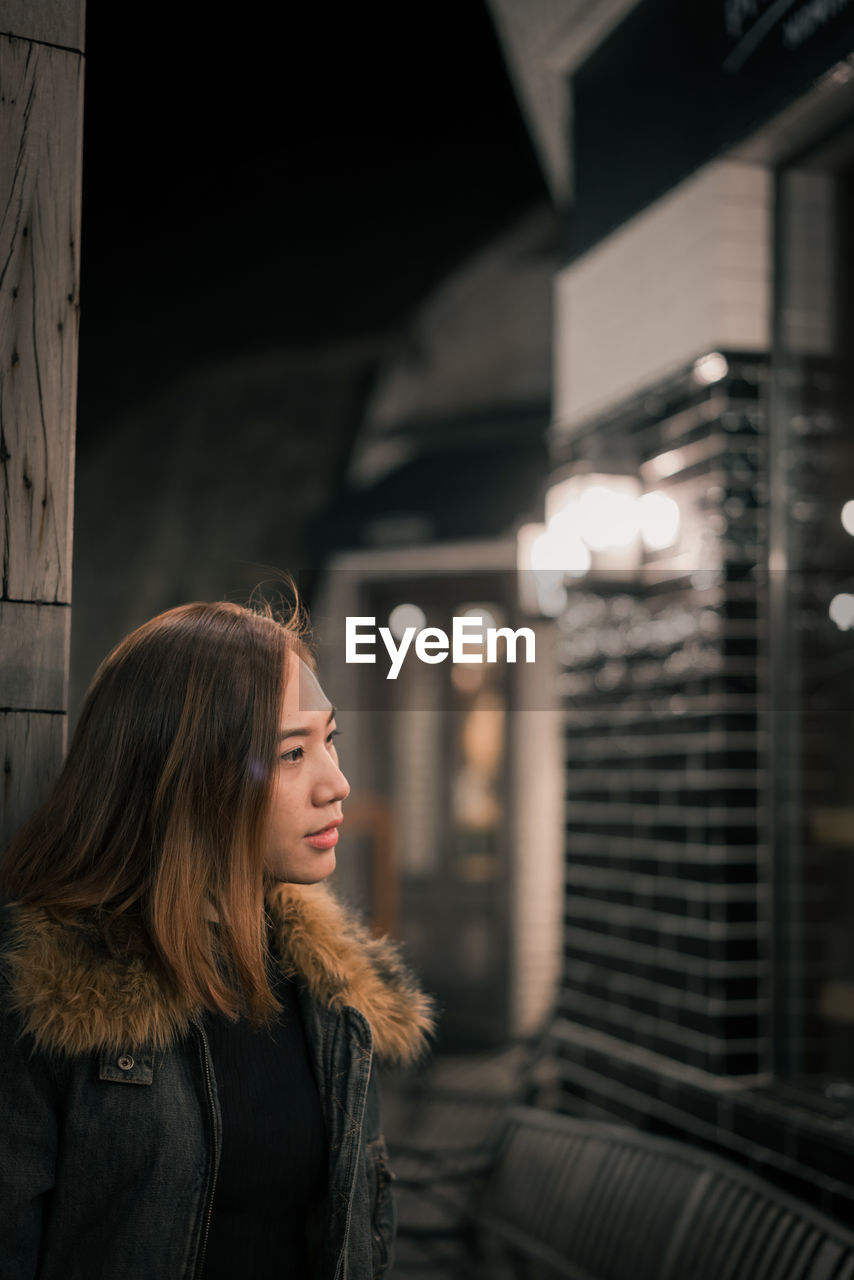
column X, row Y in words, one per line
column 666, row 996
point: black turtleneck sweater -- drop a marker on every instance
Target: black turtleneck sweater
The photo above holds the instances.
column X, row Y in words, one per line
column 274, row 1160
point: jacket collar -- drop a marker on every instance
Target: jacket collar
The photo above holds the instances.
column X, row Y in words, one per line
column 74, row 996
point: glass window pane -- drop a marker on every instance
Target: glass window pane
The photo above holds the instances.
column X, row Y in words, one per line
column 813, row 586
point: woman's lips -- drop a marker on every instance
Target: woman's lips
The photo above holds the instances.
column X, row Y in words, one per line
column 325, row 839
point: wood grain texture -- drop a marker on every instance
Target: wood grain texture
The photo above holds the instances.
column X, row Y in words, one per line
column 41, row 100
column 34, row 646
column 31, row 751
column 59, row 22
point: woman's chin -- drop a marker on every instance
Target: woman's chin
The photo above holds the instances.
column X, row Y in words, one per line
column 320, row 868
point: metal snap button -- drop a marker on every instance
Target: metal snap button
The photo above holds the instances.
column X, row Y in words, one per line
column 125, row 1062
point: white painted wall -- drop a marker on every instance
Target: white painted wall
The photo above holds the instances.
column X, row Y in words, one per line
column 536, row 746
column 689, row 275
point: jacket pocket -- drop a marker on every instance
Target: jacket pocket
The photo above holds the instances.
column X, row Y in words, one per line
column 383, row 1213
column 126, row 1068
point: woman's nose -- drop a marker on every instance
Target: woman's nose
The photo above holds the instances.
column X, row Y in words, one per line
column 332, row 786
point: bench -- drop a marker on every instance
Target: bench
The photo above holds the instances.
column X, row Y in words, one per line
column 442, row 1125
column 585, row 1200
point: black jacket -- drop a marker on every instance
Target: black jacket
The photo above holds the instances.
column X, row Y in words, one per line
column 109, row 1141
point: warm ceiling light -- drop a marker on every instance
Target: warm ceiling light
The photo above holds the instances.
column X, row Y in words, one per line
column 841, row 611
column 659, row 519
column 710, row 368
column 403, row 616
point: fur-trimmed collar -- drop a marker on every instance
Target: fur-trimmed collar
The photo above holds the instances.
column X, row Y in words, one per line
column 74, row 997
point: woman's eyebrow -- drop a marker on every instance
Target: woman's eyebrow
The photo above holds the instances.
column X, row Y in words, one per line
column 303, row 733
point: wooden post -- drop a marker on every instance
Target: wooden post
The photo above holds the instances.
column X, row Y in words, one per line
column 41, row 133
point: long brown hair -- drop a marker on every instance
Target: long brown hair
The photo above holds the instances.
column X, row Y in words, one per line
column 160, row 807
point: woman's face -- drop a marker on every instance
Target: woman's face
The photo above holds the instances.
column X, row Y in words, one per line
column 308, row 788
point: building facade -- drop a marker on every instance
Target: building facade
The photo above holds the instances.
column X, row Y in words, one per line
column 704, row 155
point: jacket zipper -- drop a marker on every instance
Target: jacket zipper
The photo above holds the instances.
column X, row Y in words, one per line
column 342, row 1268
column 206, row 1062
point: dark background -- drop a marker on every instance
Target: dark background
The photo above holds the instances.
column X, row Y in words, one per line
column 303, row 175
column 264, row 207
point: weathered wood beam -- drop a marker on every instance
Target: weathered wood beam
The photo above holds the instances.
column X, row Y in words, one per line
column 57, row 22
column 34, row 641
column 32, row 745
column 41, row 133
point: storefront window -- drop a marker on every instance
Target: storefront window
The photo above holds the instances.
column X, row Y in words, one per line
column 812, row 632
column 443, row 773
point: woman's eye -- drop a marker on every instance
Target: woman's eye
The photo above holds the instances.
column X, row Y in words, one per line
column 297, row 753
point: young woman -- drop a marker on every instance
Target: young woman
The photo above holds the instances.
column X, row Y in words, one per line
column 188, row 1018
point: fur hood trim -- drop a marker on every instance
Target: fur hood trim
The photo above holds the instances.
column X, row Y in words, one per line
column 74, row 996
